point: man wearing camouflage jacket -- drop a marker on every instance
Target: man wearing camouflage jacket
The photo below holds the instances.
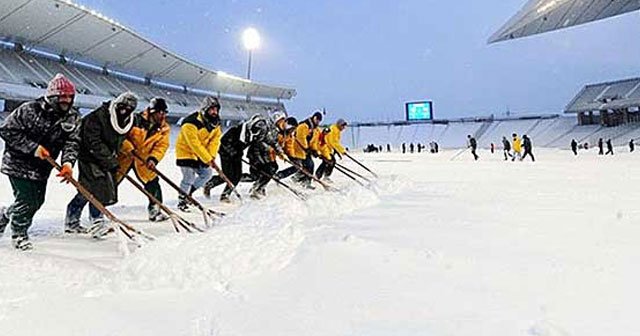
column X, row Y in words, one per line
column 35, row 131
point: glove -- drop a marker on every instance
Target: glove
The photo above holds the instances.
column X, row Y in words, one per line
column 66, row 172
column 41, row 153
column 151, row 163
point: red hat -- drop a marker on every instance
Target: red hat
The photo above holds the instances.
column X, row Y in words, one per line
column 60, row 86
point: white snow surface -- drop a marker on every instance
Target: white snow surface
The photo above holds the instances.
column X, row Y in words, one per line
column 434, row 247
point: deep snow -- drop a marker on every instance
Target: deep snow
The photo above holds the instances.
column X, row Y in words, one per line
column 438, row 247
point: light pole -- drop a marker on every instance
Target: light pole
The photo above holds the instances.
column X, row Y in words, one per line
column 251, row 39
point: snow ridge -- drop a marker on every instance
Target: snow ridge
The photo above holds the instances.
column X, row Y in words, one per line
column 258, row 237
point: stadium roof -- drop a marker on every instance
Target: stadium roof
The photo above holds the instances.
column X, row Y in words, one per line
column 606, row 96
column 71, row 30
column 540, row 16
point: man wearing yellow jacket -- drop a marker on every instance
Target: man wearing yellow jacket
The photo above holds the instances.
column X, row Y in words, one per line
column 330, row 146
column 517, row 148
column 197, row 147
column 149, row 138
column 302, row 149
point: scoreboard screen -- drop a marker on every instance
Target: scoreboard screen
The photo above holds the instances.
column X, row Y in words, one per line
column 419, row 111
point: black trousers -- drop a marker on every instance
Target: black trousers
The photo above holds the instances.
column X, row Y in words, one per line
column 473, row 151
column 308, row 165
column 262, row 173
column 232, row 168
column 326, row 167
column 528, row 152
column 290, row 170
column 29, row 197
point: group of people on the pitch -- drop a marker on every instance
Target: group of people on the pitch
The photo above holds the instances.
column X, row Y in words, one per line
column 517, row 149
column 601, row 143
column 112, row 140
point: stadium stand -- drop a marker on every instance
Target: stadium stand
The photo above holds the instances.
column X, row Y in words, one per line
column 609, row 104
column 540, row 16
column 39, row 38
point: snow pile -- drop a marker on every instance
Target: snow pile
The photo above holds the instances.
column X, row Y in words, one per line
column 257, row 237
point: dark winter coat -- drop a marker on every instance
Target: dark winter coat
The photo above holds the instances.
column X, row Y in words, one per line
column 526, row 143
column 36, row 123
column 98, row 158
column 262, row 152
column 473, row 143
column 574, row 145
column 506, row 145
column 230, row 144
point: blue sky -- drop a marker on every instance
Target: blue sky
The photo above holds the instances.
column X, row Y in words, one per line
column 363, row 59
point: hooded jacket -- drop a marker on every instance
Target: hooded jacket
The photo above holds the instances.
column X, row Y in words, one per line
column 333, row 139
column 98, row 158
column 198, row 141
column 517, row 145
column 300, row 143
column 149, row 141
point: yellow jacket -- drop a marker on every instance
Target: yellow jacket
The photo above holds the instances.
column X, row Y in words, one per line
column 149, row 142
column 320, row 145
column 333, row 139
column 301, row 140
column 517, row 145
column 198, row 141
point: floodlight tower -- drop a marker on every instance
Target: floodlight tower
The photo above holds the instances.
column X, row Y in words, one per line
column 251, row 40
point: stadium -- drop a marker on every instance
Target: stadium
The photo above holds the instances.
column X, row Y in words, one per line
column 255, row 240
column 41, row 38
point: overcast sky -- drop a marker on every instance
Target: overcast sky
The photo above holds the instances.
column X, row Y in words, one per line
column 364, row 59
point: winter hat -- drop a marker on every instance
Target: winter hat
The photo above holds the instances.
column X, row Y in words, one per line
column 122, row 122
column 256, row 127
column 290, row 123
column 208, row 103
column 60, row 86
column 341, row 122
column 277, row 116
column 318, row 115
column 157, row 104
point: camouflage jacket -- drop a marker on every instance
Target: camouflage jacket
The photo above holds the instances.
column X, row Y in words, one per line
column 36, row 123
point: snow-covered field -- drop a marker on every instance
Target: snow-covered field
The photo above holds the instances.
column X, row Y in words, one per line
column 436, row 247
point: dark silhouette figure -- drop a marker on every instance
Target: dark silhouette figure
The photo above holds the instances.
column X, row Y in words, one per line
column 574, row 147
column 506, row 148
column 609, row 148
column 411, row 147
column 473, row 144
column 526, row 144
column 388, row 148
column 600, row 147
column 404, row 148
column 632, row 146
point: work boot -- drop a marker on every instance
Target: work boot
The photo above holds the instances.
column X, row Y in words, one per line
column 257, row 193
column 155, row 215
column 207, row 190
column 22, row 243
column 225, row 199
column 307, row 185
column 75, row 229
column 183, row 205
